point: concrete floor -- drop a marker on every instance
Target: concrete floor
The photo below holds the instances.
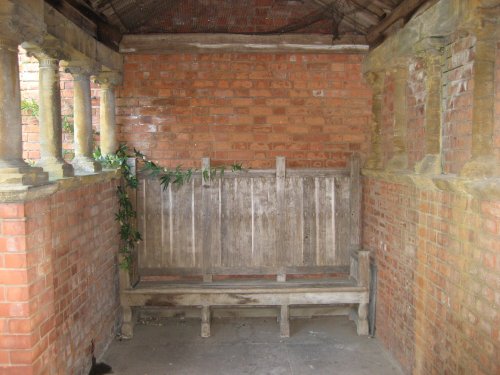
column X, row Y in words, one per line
column 249, row 346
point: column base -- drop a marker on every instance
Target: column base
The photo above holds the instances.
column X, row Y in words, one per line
column 429, row 165
column 56, row 169
column 30, row 176
column 481, row 167
column 85, row 165
column 398, row 162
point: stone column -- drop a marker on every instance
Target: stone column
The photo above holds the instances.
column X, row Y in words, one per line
column 430, row 50
column 13, row 169
column 83, row 162
column 107, row 82
column 483, row 163
column 50, row 114
column 400, row 159
column 376, row 82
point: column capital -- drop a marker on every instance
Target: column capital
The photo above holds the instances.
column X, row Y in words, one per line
column 108, row 79
column 431, row 46
column 81, row 69
column 48, row 53
column 375, row 80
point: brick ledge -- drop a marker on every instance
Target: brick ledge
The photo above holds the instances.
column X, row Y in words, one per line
column 20, row 193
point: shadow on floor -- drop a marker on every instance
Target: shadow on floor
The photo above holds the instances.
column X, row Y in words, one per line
column 249, row 346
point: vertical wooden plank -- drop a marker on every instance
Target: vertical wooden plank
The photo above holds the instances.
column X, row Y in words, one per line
column 166, row 260
column 182, row 226
column 309, row 227
column 330, row 229
column 282, row 254
column 236, row 222
column 152, row 229
column 342, row 218
column 355, row 189
column 206, row 222
column 141, row 222
column 294, row 220
column 326, row 214
column 265, row 225
column 321, row 213
column 134, row 197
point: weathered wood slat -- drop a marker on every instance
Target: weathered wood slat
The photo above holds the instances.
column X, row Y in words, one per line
column 255, row 221
column 243, row 271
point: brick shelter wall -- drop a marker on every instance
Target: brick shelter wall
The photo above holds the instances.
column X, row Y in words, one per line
column 58, row 277
column 437, row 251
column 232, row 107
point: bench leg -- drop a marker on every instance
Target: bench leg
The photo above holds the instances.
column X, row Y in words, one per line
column 127, row 329
column 205, row 321
column 285, row 321
column 362, row 319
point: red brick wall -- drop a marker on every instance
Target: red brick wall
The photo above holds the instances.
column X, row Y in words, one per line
column 457, row 114
column 438, row 302
column 58, row 277
column 250, row 108
column 437, row 252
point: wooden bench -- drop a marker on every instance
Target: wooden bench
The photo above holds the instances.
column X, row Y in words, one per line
column 281, row 238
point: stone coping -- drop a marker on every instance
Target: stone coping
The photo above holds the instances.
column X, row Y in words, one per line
column 20, row 193
column 487, row 188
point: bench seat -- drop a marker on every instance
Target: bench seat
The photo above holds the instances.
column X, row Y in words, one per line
column 254, row 292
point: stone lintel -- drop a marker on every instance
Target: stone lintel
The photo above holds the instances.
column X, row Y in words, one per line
column 22, row 21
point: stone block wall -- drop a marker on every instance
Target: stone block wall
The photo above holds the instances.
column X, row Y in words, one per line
column 58, row 277
column 312, row 108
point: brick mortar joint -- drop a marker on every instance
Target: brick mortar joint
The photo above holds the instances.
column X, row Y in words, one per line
column 21, row 194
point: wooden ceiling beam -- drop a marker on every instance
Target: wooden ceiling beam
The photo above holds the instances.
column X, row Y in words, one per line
column 405, row 9
column 88, row 21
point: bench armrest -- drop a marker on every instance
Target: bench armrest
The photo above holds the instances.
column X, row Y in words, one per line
column 360, row 267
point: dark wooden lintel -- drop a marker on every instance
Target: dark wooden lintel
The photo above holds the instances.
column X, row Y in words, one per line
column 88, row 21
column 405, row 9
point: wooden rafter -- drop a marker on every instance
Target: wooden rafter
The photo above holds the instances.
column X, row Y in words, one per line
column 402, row 11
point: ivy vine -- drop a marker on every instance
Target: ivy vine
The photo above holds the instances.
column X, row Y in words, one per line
column 129, row 234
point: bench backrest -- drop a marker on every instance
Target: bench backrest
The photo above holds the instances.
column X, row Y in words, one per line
column 250, row 223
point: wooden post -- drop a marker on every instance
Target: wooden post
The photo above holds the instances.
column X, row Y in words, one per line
column 285, row 321
column 280, row 194
column 205, row 321
column 127, row 329
column 355, row 209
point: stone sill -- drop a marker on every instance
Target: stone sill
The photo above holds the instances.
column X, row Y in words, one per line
column 487, row 188
column 21, row 193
